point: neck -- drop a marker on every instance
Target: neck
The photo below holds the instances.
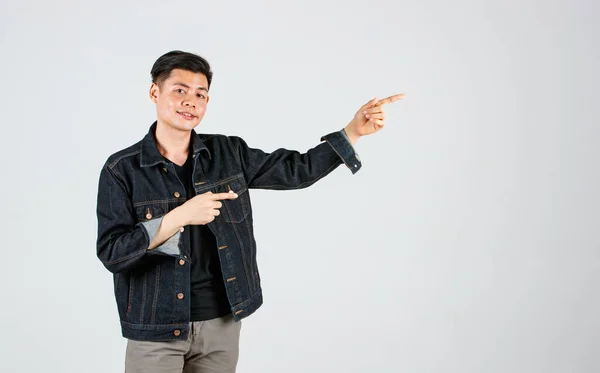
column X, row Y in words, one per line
column 172, row 143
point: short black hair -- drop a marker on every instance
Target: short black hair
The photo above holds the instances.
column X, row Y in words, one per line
column 161, row 70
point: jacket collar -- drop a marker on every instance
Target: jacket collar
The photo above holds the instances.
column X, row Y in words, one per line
column 150, row 156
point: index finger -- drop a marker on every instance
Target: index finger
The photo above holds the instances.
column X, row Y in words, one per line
column 220, row 196
column 389, row 100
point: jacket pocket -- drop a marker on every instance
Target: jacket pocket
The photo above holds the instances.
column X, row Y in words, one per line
column 149, row 210
column 234, row 210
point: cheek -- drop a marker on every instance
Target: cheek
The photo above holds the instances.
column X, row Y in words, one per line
column 201, row 108
column 166, row 106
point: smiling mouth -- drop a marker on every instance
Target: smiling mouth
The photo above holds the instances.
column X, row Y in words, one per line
column 186, row 115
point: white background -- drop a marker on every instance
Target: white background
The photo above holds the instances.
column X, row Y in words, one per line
column 467, row 243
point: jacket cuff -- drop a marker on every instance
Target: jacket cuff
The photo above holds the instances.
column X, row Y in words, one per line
column 344, row 149
column 170, row 246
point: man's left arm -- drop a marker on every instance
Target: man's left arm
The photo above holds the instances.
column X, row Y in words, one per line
column 286, row 169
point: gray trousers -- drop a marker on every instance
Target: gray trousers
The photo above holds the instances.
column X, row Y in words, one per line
column 212, row 347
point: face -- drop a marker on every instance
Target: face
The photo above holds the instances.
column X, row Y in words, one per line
column 181, row 99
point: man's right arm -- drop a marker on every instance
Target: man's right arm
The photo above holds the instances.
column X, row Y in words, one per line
column 122, row 242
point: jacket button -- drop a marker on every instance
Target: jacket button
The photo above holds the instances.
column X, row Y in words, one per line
column 148, row 216
column 180, row 296
column 176, row 194
column 181, row 262
column 177, row 332
column 181, row 229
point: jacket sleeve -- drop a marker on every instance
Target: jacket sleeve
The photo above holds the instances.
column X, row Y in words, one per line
column 289, row 169
column 122, row 242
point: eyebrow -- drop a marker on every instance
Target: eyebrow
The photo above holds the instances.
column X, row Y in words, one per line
column 187, row 86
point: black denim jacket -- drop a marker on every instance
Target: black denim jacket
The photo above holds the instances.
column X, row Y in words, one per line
column 137, row 188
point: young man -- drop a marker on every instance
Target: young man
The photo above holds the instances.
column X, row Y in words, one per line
column 175, row 222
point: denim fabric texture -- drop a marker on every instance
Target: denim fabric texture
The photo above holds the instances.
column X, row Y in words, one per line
column 137, row 188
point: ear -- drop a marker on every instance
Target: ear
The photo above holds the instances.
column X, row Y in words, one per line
column 154, row 92
column 207, row 98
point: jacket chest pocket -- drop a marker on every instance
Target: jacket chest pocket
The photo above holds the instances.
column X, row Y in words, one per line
column 234, row 210
column 149, row 210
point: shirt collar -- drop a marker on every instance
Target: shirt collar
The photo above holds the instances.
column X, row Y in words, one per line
column 150, row 156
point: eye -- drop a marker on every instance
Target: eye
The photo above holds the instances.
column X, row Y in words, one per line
column 200, row 95
column 179, row 90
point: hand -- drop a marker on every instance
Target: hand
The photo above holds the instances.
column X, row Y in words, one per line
column 370, row 118
column 203, row 208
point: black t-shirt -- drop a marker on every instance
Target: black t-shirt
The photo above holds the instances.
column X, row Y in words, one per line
column 207, row 291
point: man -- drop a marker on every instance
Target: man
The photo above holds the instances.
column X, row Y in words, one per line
column 175, row 222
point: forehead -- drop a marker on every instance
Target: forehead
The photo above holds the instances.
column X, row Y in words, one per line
column 187, row 77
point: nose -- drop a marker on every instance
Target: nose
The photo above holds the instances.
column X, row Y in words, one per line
column 188, row 102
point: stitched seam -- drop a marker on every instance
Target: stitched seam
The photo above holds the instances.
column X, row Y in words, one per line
column 174, row 308
column 249, row 300
column 144, row 288
column 244, row 260
column 338, row 153
column 155, row 300
column 224, row 181
column 236, row 156
column 119, row 179
column 145, row 325
column 236, row 176
column 114, row 163
column 132, row 255
column 306, row 183
column 231, row 217
column 137, row 204
column 130, row 298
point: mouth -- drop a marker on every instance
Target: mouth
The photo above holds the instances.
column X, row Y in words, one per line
column 187, row 116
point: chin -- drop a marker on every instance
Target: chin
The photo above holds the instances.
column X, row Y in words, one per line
column 185, row 125
column 188, row 126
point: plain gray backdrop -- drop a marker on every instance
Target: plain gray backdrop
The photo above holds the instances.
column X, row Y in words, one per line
column 468, row 242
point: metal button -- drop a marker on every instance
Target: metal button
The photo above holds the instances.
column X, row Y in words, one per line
column 176, row 194
column 180, row 296
column 164, row 169
column 177, row 332
column 148, row 216
column 181, row 229
column 181, row 262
